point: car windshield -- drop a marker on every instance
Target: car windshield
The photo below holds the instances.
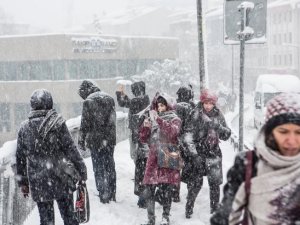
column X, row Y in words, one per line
column 269, row 96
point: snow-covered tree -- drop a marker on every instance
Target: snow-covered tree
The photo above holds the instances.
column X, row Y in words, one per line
column 167, row 76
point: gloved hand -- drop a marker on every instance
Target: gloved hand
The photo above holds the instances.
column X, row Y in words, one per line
column 25, row 191
column 198, row 160
column 214, row 125
column 81, row 145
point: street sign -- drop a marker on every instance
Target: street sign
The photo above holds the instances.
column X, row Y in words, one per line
column 256, row 21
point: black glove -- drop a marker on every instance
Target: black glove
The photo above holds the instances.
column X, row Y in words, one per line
column 25, row 191
column 214, row 125
column 81, row 145
column 198, row 160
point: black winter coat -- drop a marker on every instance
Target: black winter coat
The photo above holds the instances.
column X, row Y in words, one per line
column 98, row 121
column 135, row 105
column 201, row 142
column 235, row 177
column 41, row 146
column 197, row 129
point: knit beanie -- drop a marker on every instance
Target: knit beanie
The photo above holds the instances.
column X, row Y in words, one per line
column 208, row 96
column 283, row 108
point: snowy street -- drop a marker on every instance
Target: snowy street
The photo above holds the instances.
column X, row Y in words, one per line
column 125, row 211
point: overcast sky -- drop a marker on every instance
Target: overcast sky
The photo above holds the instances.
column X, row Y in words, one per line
column 62, row 13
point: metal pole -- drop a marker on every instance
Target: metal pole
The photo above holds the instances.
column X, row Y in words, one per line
column 232, row 70
column 242, row 65
column 200, row 46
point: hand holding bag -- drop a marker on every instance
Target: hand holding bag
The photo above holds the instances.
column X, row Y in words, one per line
column 169, row 157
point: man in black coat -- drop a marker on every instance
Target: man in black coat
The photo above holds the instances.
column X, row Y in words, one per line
column 138, row 151
column 47, row 160
column 98, row 133
column 184, row 107
column 205, row 126
column 139, row 102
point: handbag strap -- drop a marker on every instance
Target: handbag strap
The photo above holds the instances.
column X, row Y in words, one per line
column 248, row 175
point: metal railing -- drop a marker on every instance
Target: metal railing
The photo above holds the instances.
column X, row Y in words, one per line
column 14, row 208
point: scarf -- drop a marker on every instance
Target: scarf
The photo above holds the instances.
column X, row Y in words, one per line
column 275, row 192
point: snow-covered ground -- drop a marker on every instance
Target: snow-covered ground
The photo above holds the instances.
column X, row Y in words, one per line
column 125, row 211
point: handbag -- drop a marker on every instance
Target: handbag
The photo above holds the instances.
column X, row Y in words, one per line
column 169, row 157
column 82, row 204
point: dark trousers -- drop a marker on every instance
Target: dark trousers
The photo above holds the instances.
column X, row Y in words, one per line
column 66, row 208
column 161, row 193
column 105, row 172
column 194, row 188
column 139, row 172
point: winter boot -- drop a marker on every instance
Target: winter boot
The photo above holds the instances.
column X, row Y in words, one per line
column 188, row 211
column 165, row 221
column 142, row 203
column 151, row 221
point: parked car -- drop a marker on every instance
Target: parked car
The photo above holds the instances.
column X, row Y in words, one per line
column 269, row 85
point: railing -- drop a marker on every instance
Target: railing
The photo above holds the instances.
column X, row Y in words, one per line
column 14, row 208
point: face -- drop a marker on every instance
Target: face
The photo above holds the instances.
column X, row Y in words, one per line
column 287, row 137
column 208, row 106
column 161, row 107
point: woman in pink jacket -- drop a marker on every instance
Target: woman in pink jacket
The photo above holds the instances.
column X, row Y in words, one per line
column 160, row 130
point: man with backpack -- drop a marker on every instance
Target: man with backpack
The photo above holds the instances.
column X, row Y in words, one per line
column 98, row 133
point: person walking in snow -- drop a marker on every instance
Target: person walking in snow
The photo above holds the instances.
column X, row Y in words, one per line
column 138, row 150
column 205, row 126
column 263, row 185
column 161, row 133
column 136, row 104
column 98, row 134
column 184, row 107
column 45, row 151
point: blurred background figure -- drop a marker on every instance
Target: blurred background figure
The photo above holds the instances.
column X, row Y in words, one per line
column 98, row 133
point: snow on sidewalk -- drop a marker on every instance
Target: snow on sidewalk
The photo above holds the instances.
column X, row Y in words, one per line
column 125, row 211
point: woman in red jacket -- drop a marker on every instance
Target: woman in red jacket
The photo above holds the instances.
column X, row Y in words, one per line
column 161, row 129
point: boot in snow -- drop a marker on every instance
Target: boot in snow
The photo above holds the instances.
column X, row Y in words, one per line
column 165, row 221
column 188, row 211
column 151, row 221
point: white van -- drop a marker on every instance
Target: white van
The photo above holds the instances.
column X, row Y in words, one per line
column 269, row 85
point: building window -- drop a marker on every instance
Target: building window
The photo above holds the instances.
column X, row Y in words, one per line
column 279, row 39
column 274, row 19
column 21, row 113
column 290, row 16
column 274, row 39
column 285, row 38
column 279, row 60
column 5, row 125
column 290, row 59
column 290, row 37
column 274, row 60
column 285, row 60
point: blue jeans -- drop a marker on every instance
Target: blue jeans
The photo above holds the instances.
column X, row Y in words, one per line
column 105, row 172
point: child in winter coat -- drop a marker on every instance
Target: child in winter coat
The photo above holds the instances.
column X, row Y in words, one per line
column 162, row 130
column 267, row 188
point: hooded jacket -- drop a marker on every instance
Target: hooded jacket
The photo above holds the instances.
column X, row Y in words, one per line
column 98, row 120
column 139, row 102
column 43, row 141
column 165, row 130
